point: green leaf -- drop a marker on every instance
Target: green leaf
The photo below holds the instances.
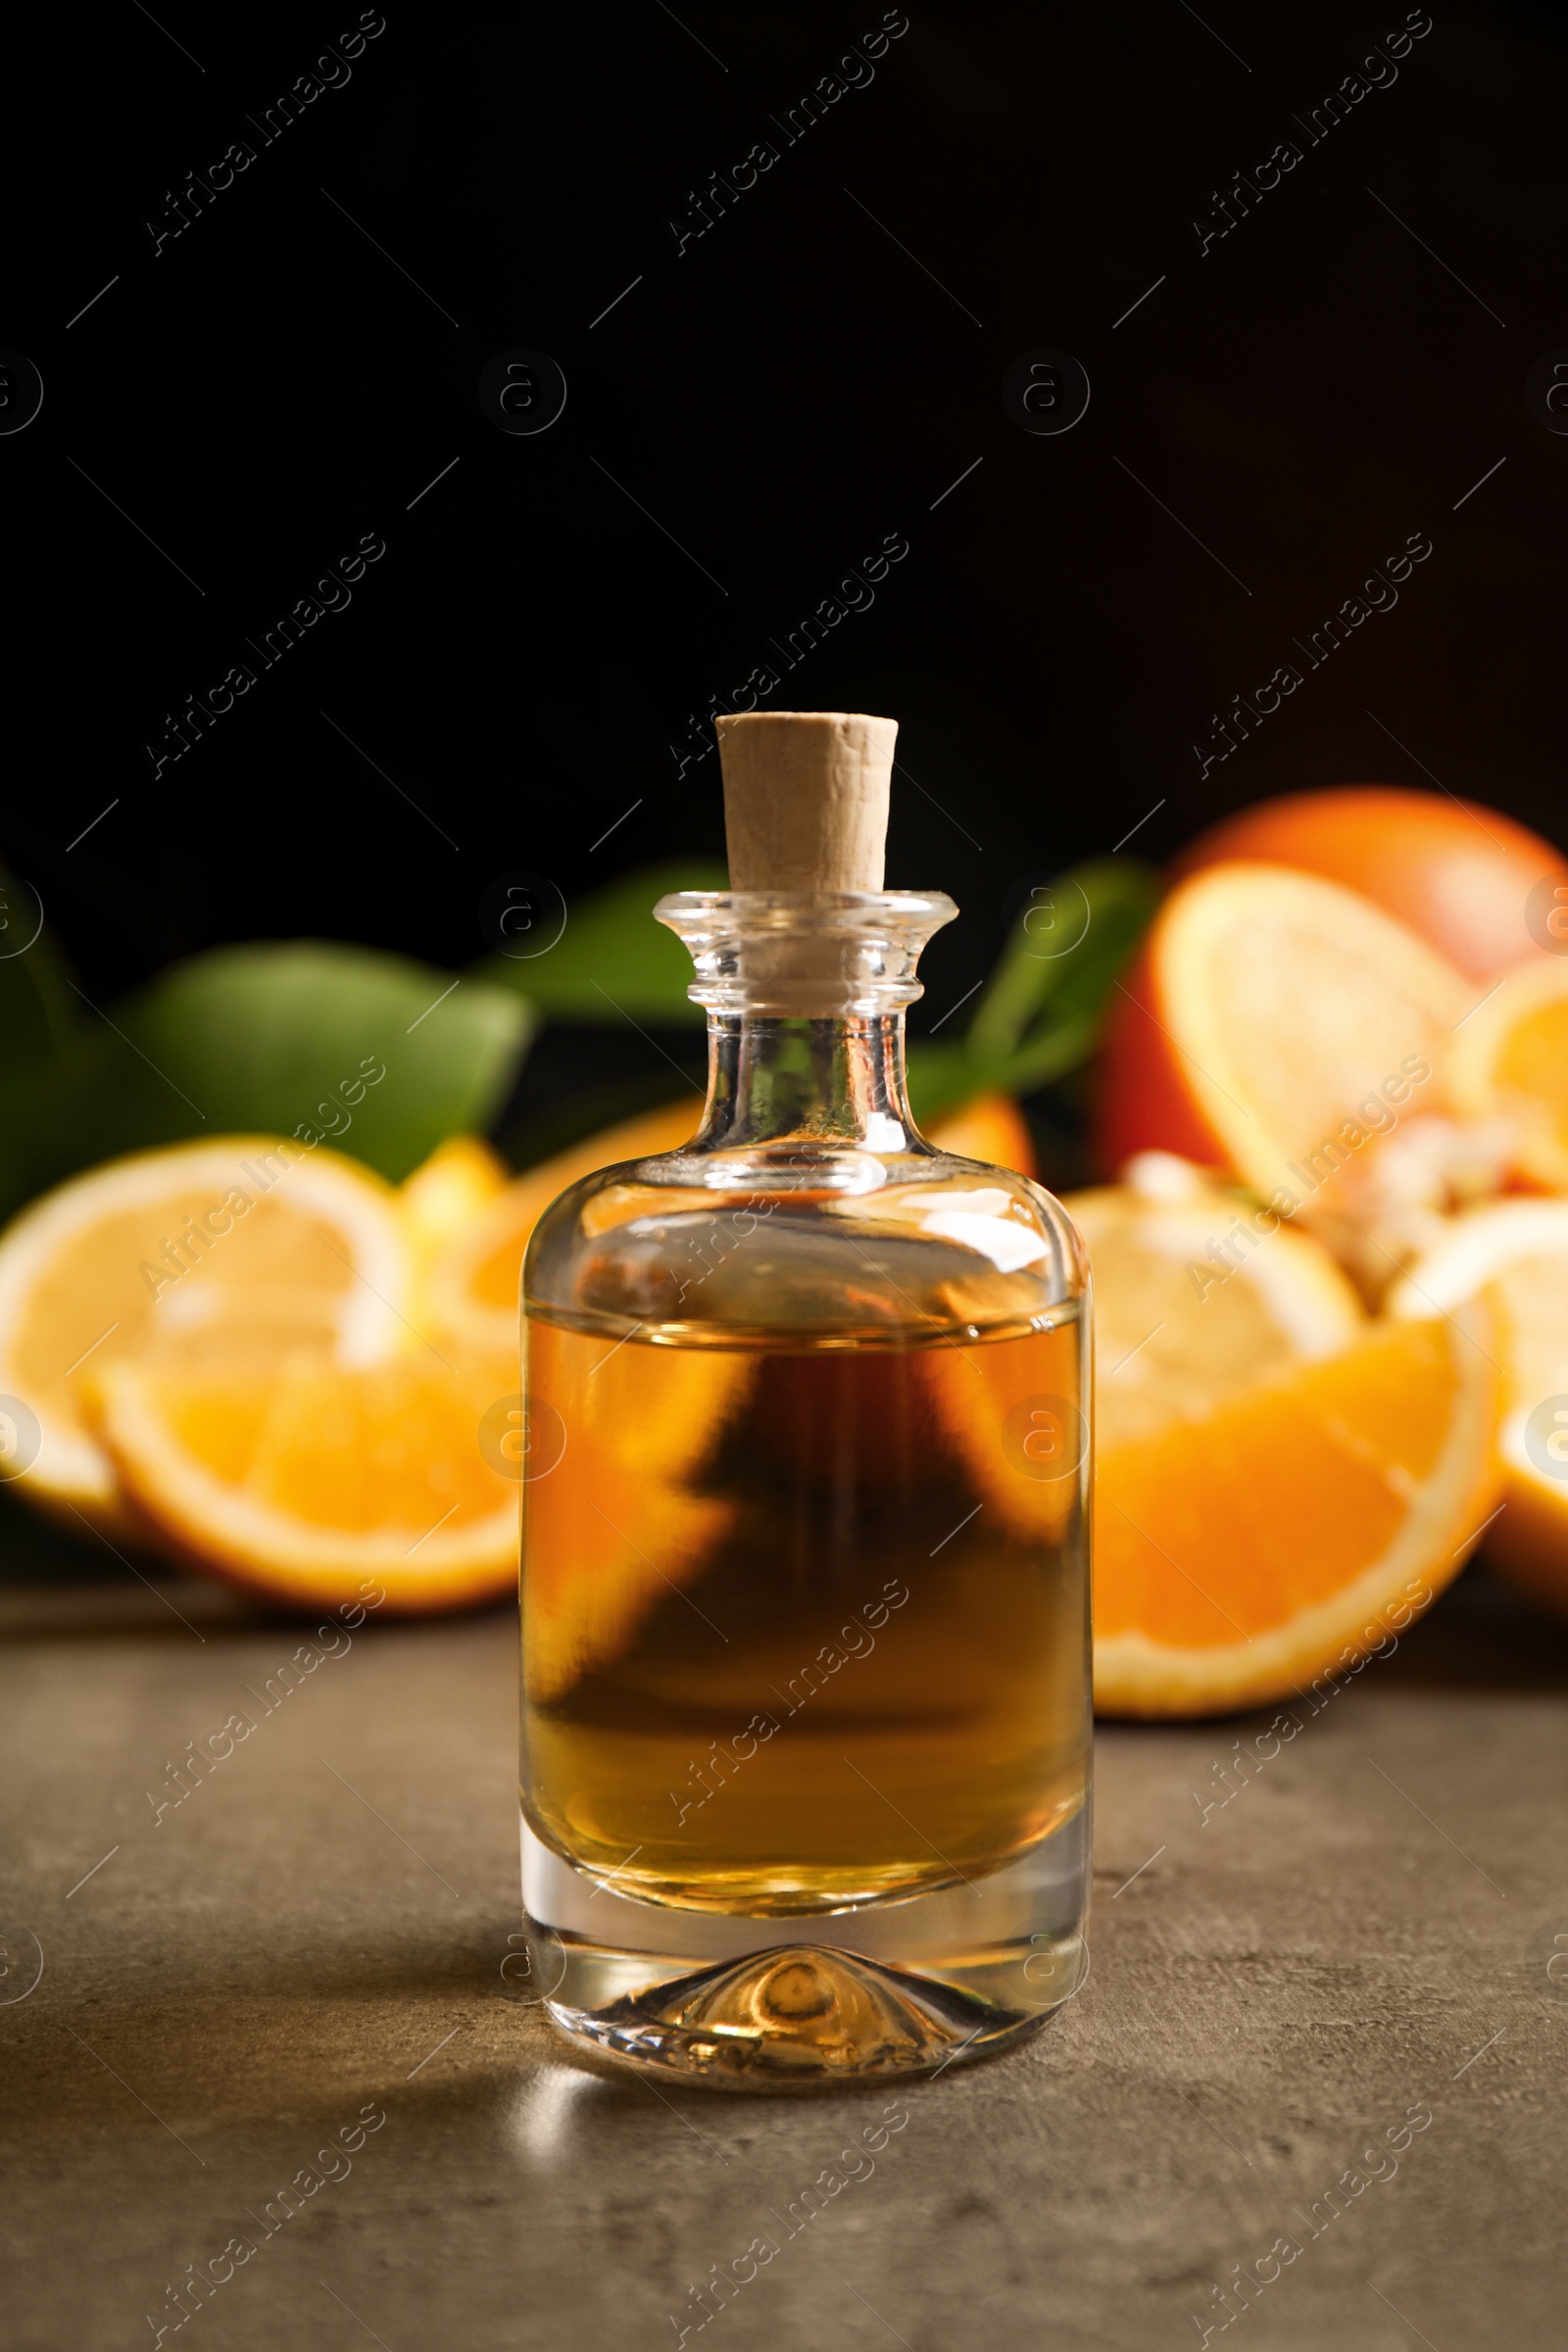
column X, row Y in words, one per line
column 1066, row 951
column 613, row 959
column 267, row 1039
column 1041, row 1011
column 943, row 1075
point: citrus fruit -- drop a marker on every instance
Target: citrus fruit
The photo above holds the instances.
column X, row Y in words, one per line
column 1199, row 1294
column 1516, row 1251
column 271, row 1244
column 1298, row 1525
column 1510, row 1064
column 1196, row 1297
column 472, row 1285
column 991, row 1128
column 303, row 1478
column 447, row 1191
column 1457, row 873
column 440, row 1200
column 1274, row 1024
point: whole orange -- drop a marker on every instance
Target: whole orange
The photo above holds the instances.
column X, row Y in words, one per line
column 1456, row 872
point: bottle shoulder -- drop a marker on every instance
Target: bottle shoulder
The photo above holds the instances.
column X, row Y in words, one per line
column 805, row 1245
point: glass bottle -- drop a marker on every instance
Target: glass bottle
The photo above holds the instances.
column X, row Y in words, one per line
column 806, row 1718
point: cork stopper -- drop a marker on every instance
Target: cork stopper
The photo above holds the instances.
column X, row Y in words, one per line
column 806, row 798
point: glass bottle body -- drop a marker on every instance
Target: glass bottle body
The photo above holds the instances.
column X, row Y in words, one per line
column 805, row 1669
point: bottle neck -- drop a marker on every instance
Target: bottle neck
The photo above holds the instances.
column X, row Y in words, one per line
column 837, row 1081
column 806, row 992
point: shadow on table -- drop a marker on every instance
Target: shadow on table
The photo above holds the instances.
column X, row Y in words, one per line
column 1482, row 1636
column 59, row 1585
column 209, row 2052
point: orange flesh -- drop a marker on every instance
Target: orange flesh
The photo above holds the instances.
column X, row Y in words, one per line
column 350, row 1452
column 1159, row 1351
column 270, row 1255
column 1269, row 1009
column 1232, row 1525
column 1271, row 967
column 1456, row 872
column 1531, row 1072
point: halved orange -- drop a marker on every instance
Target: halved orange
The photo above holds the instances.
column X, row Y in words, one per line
column 305, row 1478
column 1295, row 1527
column 271, row 1244
column 1456, row 871
column 1516, row 1253
column 1274, row 1024
column 1510, row 1064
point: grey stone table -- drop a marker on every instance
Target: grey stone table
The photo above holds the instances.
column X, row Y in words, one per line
column 236, row 1989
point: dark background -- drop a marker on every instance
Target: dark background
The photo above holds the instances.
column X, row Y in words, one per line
column 791, row 388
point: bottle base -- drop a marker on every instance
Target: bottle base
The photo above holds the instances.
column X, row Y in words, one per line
column 882, row 1989
column 797, row 2015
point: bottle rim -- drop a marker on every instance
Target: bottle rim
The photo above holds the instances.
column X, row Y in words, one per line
column 813, row 954
column 829, row 909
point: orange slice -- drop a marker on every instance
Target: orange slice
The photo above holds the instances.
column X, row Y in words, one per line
column 461, row 1177
column 1516, row 1253
column 438, row 1202
column 1275, row 1024
column 1510, row 1064
column 306, row 1477
column 1295, row 1527
column 273, row 1245
column 472, row 1285
column 1199, row 1294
